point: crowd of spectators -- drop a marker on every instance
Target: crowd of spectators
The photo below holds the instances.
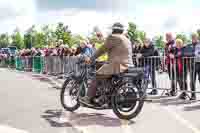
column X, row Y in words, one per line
column 59, row 50
column 180, row 60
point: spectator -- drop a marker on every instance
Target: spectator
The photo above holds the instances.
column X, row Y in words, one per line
column 86, row 49
column 38, row 52
column 60, row 42
column 61, row 50
column 136, row 49
column 93, row 45
column 147, row 51
column 194, row 65
column 74, row 50
column 169, row 53
column 54, row 51
column 181, row 70
column 78, row 51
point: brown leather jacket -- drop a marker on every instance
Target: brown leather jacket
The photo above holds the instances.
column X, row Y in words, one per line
column 119, row 51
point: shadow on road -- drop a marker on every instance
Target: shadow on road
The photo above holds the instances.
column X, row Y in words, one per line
column 52, row 117
column 165, row 101
column 178, row 102
column 45, row 79
column 81, row 119
column 192, row 108
column 157, row 97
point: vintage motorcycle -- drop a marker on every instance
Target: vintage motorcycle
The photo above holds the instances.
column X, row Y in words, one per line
column 124, row 93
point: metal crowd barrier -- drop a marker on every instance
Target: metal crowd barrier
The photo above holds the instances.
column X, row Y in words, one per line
column 28, row 63
column 3, row 62
column 52, row 65
column 7, row 62
column 55, row 65
column 179, row 74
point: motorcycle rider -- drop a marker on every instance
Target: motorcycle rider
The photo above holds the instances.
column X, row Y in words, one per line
column 119, row 50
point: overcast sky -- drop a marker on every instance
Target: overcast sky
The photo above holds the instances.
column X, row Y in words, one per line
column 153, row 16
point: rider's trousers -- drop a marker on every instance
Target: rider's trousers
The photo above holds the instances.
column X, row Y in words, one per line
column 91, row 92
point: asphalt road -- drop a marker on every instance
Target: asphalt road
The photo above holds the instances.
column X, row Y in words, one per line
column 30, row 104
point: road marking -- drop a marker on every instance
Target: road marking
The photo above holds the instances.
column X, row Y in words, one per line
column 179, row 118
column 183, row 121
column 7, row 129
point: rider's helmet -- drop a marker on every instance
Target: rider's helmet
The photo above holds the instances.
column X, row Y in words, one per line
column 117, row 28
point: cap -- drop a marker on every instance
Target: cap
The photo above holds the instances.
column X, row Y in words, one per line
column 117, row 26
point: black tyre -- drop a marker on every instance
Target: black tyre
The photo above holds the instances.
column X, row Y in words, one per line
column 70, row 89
column 128, row 109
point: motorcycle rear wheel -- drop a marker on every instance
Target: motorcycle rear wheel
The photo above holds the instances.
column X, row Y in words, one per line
column 135, row 106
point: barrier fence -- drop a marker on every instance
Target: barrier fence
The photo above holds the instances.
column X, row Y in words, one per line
column 174, row 74
column 7, row 62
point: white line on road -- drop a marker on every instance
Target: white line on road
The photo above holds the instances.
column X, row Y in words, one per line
column 7, row 129
column 179, row 118
column 183, row 121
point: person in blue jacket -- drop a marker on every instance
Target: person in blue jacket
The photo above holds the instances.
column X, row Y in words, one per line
column 86, row 49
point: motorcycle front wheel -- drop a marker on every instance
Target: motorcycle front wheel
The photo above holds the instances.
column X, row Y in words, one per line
column 68, row 95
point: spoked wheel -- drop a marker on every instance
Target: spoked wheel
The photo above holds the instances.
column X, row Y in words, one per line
column 69, row 94
column 127, row 101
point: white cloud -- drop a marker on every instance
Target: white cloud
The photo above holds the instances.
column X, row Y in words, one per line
column 116, row 5
column 179, row 16
column 16, row 13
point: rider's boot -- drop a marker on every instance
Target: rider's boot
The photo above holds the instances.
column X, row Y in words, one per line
column 86, row 99
column 91, row 92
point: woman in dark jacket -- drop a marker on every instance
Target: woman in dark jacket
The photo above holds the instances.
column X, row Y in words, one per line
column 146, row 60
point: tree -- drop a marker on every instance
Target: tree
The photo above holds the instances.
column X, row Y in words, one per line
column 141, row 35
column 17, row 40
column 4, row 40
column 183, row 37
column 29, row 37
column 159, row 42
column 50, row 35
column 47, row 34
column 40, row 40
column 76, row 39
column 132, row 32
column 27, row 41
column 62, row 32
column 198, row 32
